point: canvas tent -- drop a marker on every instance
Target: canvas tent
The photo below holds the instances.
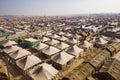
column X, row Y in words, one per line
column 11, row 49
column 62, row 45
column 44, row 39
column 49, row 51
column 85, row 44
column 62, row 38
column 61, row 59
column 28, row 62
column 40, row 46
column 54, row 36
column 9, row 43
column 52, row 42
column 100, row 41
column 43, row 72
column 71, row 41
column 75, row 50
column 19, row 54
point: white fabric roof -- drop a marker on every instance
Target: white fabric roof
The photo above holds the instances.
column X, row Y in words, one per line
column 62, row 38
column 52, row 42
column 72, row 41
column 11, row 49
column 44, row 39
column 62, row 58
column 100, row 41
column 40, row 46
column 85, row 44
column 19, row 54
column 61, row 33
column 54, row 36
column 74, row 50
column 68, row 34
column 50, row 50
column 62, row 45
column 9, row 43
column 27, row 62
column 43, row 72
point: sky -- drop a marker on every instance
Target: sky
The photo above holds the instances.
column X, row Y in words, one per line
column 58, row 7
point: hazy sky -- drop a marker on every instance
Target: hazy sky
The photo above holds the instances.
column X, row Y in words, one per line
column 58, row 7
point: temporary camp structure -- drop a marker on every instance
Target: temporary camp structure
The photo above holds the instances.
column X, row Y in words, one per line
column 49, row 51
column 44, row 39
column 85, row 44
column 52, row 42
column 62, row 38
column 99, row 41
column 40, row 46
column 54, row 36
column 10, row 49
column 19, row 54
column 75, row 50
column 71, row 41
column 62, row 45
column 9, row 43
column 31, row 42
column 43, row 72
column 28, row 62
column 68, row 34
column 61, row 33
column 61, row 59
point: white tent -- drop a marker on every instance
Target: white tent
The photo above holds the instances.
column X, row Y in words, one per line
column 86, row 44
column 11, row 49
column 19, row 54
column 54, row 36
column 62, row 38
column 52, row 42
column 61, row 33
column 75, row 50
column 44, row 39
column 62, row 45
column 71, row 41
column 43, row 72
column 62, row 58
column 50, row 50
column 9, row 43
column 28, row 62
column 68, row 34
column 40, row 46
column 100, row 41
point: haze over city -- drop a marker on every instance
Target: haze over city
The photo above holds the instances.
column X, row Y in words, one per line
column 58, row 7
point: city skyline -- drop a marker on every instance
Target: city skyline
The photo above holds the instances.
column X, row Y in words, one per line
column 55, row 7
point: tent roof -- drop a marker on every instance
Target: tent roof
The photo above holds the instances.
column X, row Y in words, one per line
column 86, row 44
column 11, row 49
column 62, row 38
column 100, row 41
column 62, row 58
column 52, row 42
column 40, row 46
column 44, row 39
column 62, row 45
column 43, row 72
column 19, row 54
column 50, row 50
column 72, row 40
column 27, row 62
column 74, row 50
column 54, row 36
column 9, row 43
column 61, row 33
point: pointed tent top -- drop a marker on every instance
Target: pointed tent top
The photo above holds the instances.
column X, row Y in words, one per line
column 86, row 44
column 9, row 43
column 72, row 41
column 62, row 45
column 52, row 42
column 62, row 58
column 19, row 54
column 100, row 41
column 40, row 46
column 43, row 71
column 28, row 62
column 50, row 50
column 44, row 39
column 74, row 50
column 54, row 36
column 62, row 38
